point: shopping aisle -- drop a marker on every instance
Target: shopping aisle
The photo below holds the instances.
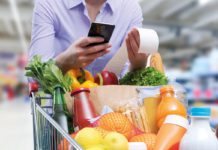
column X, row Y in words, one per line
column 15, row 125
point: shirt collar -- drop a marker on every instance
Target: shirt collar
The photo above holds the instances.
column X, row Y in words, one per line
column 73, row 3
column 112, row 4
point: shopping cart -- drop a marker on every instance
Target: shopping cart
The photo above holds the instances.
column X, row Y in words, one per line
column 48, row 135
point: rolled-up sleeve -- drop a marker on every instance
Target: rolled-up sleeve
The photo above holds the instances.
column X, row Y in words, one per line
column 43, row 33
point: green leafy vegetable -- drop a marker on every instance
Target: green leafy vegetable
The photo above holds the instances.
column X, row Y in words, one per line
column 144, row 77
column 48, row 75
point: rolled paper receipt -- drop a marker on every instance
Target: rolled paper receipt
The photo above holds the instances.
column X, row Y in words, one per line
column 149, row 43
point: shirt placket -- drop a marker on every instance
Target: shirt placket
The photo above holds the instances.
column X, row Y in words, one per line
column 100, row 16
column 97, row 63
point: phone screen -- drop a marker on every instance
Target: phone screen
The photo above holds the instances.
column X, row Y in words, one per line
column 101, row 30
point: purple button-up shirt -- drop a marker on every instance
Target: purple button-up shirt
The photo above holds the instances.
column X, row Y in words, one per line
column 58, row 23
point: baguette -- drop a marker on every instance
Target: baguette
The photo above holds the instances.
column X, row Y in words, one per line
column 156, row 62
column 139, row 120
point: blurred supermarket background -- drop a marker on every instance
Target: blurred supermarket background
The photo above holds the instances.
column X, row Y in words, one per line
column 188, row 31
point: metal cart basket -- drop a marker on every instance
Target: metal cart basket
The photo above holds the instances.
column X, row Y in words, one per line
column 48, row 135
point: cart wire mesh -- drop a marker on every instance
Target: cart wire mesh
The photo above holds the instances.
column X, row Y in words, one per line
column 48, row 135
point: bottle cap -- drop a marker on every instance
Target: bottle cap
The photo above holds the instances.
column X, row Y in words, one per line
column 177, row 120
column 166, row 88
column 200, row 111
column 137, row 145
column 77, row 91
column 57, row 86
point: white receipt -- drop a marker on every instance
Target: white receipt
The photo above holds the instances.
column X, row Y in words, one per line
column 149, row 43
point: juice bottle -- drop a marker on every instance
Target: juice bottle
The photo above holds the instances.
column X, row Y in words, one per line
column 171, row 132
column 169, row 105
column 83, row 108
column 199, row 135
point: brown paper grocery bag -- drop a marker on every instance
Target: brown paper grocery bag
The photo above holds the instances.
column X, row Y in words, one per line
column 70, row 102
column 112, row 95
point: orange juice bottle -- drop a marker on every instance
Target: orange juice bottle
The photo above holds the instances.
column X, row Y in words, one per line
column 171, row 133
column 169, row 105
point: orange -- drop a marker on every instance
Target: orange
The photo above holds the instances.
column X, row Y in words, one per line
column 148, row 138
column 117, row 122
column 102, row 131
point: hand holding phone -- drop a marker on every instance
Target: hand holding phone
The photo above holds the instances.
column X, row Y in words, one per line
column 101, row 30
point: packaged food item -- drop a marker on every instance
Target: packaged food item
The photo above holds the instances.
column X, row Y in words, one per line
column 150, row 99
column 171, row 132
column 136, row 114
column 83, row 108
column 169, row 105
column 150, row 105
column 60, row 108
column 199, row 135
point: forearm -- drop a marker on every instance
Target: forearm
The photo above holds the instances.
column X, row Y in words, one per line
column 63, row 63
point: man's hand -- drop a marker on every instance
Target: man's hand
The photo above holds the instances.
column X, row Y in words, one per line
column 137, row 60
column 80, row 54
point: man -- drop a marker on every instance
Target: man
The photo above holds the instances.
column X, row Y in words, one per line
column 60, row 29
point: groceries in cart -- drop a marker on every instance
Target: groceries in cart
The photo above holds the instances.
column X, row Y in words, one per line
column 139, row 111
column 60, row 108
column 84, row 109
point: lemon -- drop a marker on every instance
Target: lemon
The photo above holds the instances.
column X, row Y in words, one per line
column 98, row 147
column 88, row 137
column 116, row 141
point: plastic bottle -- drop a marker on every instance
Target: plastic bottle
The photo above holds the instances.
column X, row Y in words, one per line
column 171, row 132
column 199, row 135
column 83, row 108
column 169, row 105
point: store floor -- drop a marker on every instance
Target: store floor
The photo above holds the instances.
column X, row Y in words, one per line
column 15, row 125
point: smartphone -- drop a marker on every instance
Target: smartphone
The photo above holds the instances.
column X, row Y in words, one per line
column 101, row 30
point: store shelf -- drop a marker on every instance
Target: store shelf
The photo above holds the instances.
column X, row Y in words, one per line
column 203, row 100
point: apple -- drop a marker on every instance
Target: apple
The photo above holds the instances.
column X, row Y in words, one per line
column 116, row 141
column 106, row 78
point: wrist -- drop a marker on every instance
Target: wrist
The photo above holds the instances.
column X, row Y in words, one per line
column 60, row 61
column 138, row 65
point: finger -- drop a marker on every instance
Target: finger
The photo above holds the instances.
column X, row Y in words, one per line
column 129, row 49
column 90, row 40
column 136, row 35
column 97, row 55
column 133, row 44
column 92, row 57
column 97, row 48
